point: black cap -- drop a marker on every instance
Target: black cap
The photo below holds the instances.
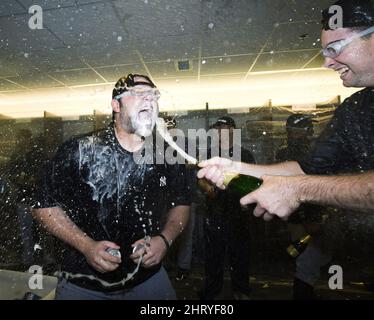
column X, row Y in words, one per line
column 356, row 14
column 299, row 120
column 170, row 122
column 128, row 81
column 225, row 121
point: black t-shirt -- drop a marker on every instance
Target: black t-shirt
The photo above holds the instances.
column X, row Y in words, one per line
column 110, row 197
column 347, row 143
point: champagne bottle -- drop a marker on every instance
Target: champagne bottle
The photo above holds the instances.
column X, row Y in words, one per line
column 241, row 184
column 298, row 247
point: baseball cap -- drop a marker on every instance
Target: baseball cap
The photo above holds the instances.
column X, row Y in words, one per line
column 225, row 121
column 126, row 82
column 299, row 120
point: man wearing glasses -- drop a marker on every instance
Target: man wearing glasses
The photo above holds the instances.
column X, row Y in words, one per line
column 106, row 207
column 338, row 171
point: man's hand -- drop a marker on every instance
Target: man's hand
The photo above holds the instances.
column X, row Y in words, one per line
column 153, row 251
column 214, row 168
column 99, row 259
column 277, row 196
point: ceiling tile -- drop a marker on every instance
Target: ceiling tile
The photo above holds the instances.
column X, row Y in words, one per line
column 112, row 74
column 36, row 80
column 48, row 4
column 6, row 85
column 227, row 65
column 16, row 35
column 283, row 61
column 78, row 77
column 8, row 8
column 96, row 23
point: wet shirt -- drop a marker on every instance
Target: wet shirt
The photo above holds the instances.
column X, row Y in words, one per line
column 109, row 196
column 347, row 143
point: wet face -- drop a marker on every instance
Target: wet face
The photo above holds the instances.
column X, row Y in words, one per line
column 139, row 111
column 355, row 63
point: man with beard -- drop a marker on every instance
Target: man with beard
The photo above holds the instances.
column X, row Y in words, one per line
column 338, row 171
column 106, row 206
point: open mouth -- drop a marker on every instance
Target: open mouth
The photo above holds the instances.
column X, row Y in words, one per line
column 145, row 111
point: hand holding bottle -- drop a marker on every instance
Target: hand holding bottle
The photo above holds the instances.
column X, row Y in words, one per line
column 278, row 196
column 214, row 169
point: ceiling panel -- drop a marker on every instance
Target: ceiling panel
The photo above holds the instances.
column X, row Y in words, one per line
column 293, row 36
column 283, row 61
column 6, row 85
column 48, row 4
column 227, row 64
column 10, row 7
column 96, row 23
column 147, row 19
column 165, row 48
column 236, row 39
column 317, row 62
column 169, row 69
column 77, row 77
column 56, row 60
column 14, row 65
column 120, row 36
column 99, row 55
column 112, row 74
column 18, row 37
column 36, row 80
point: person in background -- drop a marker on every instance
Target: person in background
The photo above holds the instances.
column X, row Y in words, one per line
column 308, row 219
column 226, row 229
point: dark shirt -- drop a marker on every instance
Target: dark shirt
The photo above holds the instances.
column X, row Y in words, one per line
column 347, row 143
column 297, row 150
column 110, row 197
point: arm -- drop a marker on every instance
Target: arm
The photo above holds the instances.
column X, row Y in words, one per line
column 60, row 225
column 281, row 196
column 214, row 169
column 355, row 192
column 176, row 222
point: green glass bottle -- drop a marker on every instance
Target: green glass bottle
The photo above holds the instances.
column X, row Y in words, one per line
column 241, row 184
column 298, row 247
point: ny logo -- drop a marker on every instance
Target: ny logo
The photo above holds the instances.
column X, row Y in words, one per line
column 162, row 181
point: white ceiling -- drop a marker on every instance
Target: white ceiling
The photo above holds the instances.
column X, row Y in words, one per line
column 90, row 42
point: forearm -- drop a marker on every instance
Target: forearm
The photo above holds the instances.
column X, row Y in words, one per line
column 59, row 224
column 354, row 192
column 289, row 168
column 176, row 222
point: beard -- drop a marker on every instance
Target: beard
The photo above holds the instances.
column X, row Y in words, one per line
column 140, row 123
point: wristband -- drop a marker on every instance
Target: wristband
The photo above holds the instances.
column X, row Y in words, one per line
column 165, row 240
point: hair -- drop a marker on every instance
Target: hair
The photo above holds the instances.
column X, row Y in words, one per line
column 358, row 15
column 125, row 82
